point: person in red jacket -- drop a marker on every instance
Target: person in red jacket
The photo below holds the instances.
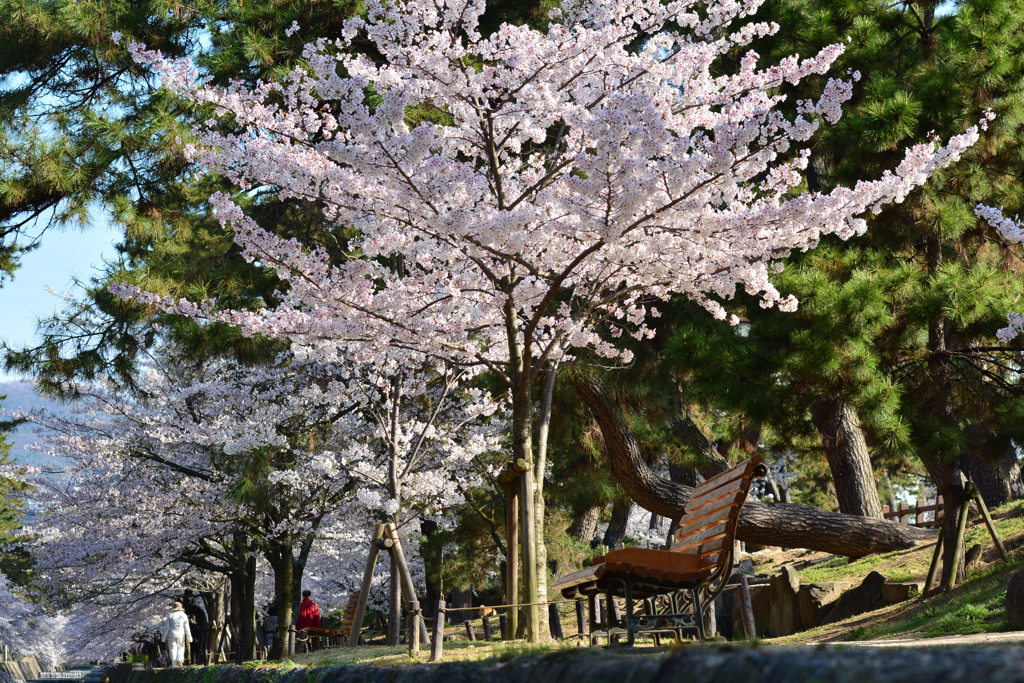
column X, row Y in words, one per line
column 309, row 613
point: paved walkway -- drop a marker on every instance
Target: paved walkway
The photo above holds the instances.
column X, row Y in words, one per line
column 1008, row 638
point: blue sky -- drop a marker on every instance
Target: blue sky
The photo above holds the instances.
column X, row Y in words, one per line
column 61, row 257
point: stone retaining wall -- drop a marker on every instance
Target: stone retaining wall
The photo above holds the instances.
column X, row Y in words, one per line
column 690, row 665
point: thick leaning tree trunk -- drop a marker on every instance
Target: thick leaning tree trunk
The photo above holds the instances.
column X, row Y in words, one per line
column 584, row 526
column 847, row 453
column 781, row 524
column 992, row 465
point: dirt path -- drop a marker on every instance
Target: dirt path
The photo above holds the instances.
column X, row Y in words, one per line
column 1010, row 637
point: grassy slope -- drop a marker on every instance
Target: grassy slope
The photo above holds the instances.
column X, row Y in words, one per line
column 976, row 606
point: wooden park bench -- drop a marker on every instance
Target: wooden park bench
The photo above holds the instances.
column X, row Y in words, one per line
column 684, row 579
column 339, row 637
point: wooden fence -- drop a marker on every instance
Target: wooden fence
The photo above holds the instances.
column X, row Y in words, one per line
column 923, row 514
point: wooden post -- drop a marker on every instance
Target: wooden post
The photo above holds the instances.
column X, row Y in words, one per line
column 470, row 631
column 503, row 626
column 488, row 632
column 616, row 615
column 581, row 621
column 528, row 532
column 291, row 641
column 933, row 568
column 413, row 634
column 949, row 577
column 403, row 572
column 903, row 513
column 555, row 622
column 988, row 522
column 747, row 608
column 437, row 643
column 512, row 553
column 364, row 591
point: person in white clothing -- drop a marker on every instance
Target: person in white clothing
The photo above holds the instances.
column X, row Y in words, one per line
column 176, row 633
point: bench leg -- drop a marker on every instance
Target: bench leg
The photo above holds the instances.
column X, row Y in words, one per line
column 698, row 616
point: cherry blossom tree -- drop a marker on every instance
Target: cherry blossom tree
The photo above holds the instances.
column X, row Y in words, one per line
column 526, row 194
column 1013, row 230
column 215, row 462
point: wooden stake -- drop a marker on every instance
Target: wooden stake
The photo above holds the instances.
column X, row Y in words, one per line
column 403, row 572
column 470, row 631
column 949, row 577
column 581, row 620
column 437, row 644
column 747, row 608
column 364, row 591
column 512, row 551
column 528, row 531
column 988, row 522
column 934, row 567
column 555, row 622
column 503, row 626
column 488, row 632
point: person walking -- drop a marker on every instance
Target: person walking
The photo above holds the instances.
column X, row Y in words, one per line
column 270, row 625
column 176, row 633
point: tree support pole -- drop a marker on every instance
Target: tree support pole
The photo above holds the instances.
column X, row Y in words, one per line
column 988, row 522
column 512, row 553
column 364, row 591
column 949, row 573
column 933, row 569
column 404, row 574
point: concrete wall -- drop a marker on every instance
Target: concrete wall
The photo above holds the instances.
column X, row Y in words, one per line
column 690, row 665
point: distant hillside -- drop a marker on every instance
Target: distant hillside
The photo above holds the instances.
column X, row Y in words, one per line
column 22, row 396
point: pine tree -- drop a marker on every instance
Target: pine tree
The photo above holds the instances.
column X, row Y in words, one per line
column 899, row 324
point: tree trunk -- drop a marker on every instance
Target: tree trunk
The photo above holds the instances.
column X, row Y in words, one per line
column 781, row 524
column 243, row 602
column 584, row 526
column 434, row 592
column 522, row 449
column 847, row 454
column 394, row 604
column 616, row 531
column 707, row 460
column 281, row 561
column 540, row 466
column 942, row 465
column 991, row 463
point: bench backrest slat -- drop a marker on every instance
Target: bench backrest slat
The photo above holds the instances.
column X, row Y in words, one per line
column 708, row 528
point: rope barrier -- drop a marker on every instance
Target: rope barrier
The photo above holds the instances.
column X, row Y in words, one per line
column 522, row 604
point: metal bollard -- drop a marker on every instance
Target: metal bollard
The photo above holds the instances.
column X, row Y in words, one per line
column 291, row 641
column 437, row 643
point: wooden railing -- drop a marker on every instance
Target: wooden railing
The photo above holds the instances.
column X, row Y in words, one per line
column 924, row 514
